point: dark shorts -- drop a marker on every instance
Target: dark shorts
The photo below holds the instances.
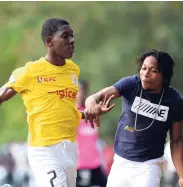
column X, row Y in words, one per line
column 91, row 177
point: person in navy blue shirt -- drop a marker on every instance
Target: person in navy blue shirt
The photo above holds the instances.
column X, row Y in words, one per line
column 150, row 109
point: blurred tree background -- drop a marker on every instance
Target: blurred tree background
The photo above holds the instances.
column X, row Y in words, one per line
column 109, row 37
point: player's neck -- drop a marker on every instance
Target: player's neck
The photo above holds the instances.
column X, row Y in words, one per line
column 155, row 91
column 55, row 60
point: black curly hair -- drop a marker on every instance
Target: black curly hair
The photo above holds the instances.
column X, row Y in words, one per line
column 51, row 26
column 165, row 63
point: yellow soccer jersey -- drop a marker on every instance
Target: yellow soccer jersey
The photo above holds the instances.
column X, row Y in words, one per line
column 49, row 94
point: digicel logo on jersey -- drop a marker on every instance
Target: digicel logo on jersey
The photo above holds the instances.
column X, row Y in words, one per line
column 66, row 93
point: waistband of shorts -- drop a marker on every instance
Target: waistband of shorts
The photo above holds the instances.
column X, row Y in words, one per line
column 152, row 161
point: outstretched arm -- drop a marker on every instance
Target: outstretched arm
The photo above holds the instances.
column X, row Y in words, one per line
column 105, row 93
column 176, row 149
column 6, row 93
column 99, row 103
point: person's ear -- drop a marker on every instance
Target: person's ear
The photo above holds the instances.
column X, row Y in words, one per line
column 48, row 41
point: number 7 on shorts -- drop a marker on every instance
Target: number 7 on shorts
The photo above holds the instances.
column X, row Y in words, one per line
column 54, row 177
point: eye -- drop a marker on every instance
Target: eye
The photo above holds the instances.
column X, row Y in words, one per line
column 143, row 68
column 155, row 70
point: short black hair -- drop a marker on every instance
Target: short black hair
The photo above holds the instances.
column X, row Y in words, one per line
column 165, row 63
column 51, row 26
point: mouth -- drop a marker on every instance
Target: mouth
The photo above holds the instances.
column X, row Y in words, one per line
column 71, row 48
column 146, row 82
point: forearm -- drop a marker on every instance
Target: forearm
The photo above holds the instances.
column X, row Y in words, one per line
column 93, row 99
column 176, row 152
column 2, row 89
column 6, row 93
column 103, row 94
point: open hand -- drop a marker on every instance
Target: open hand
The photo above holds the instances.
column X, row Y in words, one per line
column 93, row 111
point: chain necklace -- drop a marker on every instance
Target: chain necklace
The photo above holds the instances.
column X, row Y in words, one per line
column 157, row 109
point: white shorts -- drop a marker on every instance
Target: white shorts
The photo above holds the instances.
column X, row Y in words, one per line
column 55, row 165
column 125, row 173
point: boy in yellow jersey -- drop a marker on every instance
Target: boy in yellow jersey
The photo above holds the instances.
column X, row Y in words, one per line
column 48, row 87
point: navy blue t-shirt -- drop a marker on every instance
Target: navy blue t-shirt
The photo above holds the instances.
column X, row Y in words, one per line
column 148, row 144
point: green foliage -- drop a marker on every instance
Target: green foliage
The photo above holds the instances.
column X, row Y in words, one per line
column 109, row 37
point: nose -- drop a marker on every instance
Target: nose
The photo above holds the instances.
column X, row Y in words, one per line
column 147, row 73
column 71, row 40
